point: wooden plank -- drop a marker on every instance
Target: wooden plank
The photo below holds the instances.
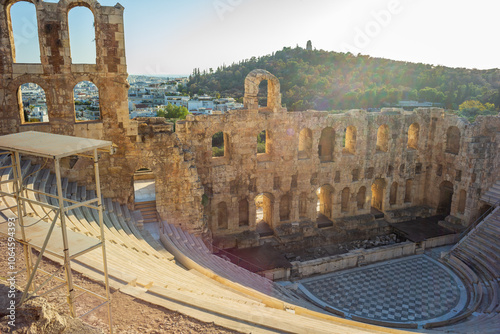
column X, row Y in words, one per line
column 36, row 231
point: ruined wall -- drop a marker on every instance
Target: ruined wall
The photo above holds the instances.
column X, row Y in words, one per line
column 393, row 148
column 178, row 196
column 474, row 168
column 356, row 158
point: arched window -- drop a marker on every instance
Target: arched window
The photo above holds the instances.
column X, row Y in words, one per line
column 257, row 83
column 402, row 168
column 263, row 94
column 383, row 138
column 393, row 195
column 222, row 215
column 243, row 212
column 453, row 140
column 86, row 97
column 413, row 133
column 32, row 104
column 326, row 145
column 305, row 144
column 285, row 207
column 82, row 35
column 24, row 23
column 408, row 191
column 263, row 142
column 350, row 140
column 361, row 198
column 390, row 170
column 220, row 145
column 461, row 201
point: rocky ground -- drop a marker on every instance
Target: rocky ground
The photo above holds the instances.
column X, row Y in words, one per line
column 50, row 314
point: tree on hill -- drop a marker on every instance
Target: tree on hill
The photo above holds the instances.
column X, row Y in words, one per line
column 472, row 108
column 325, row 80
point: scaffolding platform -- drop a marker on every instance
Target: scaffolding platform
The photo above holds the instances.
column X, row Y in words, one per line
column 52, row 237
column 36, row 231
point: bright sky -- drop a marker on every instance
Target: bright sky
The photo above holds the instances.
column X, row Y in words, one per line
column 173, row 36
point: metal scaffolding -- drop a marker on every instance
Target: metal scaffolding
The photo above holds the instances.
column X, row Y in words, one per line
column 54, row 237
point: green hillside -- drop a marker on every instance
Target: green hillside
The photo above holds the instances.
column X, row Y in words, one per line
column 325, row 80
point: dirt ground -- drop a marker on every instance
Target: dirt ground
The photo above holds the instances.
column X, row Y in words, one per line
column 129, row 314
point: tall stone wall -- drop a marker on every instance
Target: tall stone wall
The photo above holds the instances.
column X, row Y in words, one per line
column 152, row 146
column 393, row 149
column 392, row 160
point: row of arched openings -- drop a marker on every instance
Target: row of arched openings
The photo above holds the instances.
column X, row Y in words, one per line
column 24, row 25
column 326, row 146
column 33, row 103
column 264, row 202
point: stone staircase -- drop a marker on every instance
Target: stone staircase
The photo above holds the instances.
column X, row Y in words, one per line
column 148, row 211
column 492, row 196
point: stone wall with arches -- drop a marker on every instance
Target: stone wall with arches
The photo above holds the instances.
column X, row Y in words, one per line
column 355, row 157
column 393, row 160
column 179, row 194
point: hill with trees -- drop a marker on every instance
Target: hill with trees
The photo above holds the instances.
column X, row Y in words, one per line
column 326, row 80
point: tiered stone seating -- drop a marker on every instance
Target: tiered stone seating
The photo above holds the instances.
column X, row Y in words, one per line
column 492, row 196
column 136, row 269
column 476, row 260
column 183, row 244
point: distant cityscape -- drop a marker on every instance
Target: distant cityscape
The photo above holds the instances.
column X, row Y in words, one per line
column 34, row 103
column 147, row 95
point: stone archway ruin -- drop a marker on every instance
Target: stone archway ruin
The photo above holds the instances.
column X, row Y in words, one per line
column 252, row 83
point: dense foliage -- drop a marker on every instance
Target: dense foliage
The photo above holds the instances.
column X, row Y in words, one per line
column 173, row 112
column 472, row 108
column 325, row 80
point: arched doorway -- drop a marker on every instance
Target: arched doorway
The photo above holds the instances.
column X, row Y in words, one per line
column 264, row 207
column 145, row 200
column 144, row 185
column 445, row 198
column 264, row 203
column 325, row 201
column 378, row 193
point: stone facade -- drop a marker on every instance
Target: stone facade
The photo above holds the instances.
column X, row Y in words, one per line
column 394, row 160
column 145, row 144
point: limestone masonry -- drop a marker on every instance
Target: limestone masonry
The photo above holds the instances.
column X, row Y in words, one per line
column 402, row 163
